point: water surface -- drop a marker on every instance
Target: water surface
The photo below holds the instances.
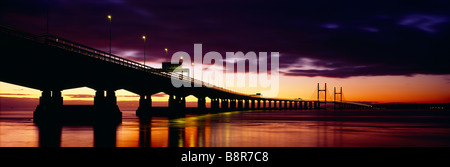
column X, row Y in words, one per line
column 240, row 129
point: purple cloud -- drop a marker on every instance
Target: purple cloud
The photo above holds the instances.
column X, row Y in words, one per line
column 355, row 38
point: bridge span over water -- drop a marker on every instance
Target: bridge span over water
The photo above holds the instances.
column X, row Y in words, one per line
column 52, row 64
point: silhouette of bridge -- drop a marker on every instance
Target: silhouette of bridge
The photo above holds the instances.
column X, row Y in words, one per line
column 52, row 64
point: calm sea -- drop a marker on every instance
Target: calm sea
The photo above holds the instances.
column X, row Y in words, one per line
column 240, row 129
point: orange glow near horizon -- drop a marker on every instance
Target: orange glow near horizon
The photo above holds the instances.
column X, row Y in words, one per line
column 377, row 89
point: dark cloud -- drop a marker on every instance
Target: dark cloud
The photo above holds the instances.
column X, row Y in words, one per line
column 342, row 39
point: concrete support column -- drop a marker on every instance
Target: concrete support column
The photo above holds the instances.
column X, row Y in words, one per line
column 49, row 108
column 105, row 102
column 259, row 103
column 233, row 104
column 182, row 102
column 145, row 105
column 215, row 104
column 99, row 98
column 270, row 104
column 285, row 105
column 51, row 98
column 253, row 104
column 172, row 102
column 247, row 104
column 264, row 104
column 57, row 97
column 201, row 104
column 105, row 106
column 240, row 104
column 45, row 97
column 224, row 104
column 177, row 102
column 111, row 98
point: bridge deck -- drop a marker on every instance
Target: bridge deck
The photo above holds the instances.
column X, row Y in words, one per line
column 64, row 64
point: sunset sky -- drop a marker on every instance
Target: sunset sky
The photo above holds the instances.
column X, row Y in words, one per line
column 378, row 51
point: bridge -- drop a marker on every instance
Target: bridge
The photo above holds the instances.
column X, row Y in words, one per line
column 52, row 64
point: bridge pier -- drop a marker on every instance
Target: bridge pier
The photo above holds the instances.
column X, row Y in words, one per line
column 233, row 104
column 224, row 104
column 264, row 104
column 106, row 106
column 215, row 104
column 145, row 105
column 295, row 105
column 270, row 105
column 177, row 102
column 51, row 98
column 247, row 104
column 52, row 110
column 240, row 104
column 253, row 104
column 50, row 106
column 201, row 104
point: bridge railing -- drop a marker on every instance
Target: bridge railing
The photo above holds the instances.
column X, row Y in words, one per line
column 88, row 51
column 65, row 44
column 95, row 53
column 194, row 81
column 355, row 103
column 17, row 33
column 85, row 50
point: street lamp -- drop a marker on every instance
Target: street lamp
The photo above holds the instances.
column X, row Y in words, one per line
column 165, row 49
column 46, row 6
column 143, row 37
column 109, row 18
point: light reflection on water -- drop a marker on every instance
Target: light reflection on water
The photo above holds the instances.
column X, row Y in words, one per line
column 235, row 129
